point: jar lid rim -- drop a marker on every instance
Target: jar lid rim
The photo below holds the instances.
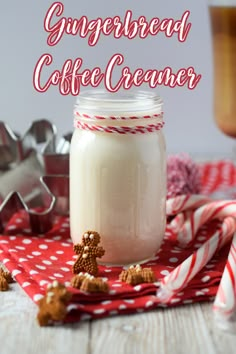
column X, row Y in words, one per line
column 123, row 101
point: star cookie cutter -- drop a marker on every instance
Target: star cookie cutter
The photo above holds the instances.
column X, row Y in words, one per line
column 23, row 161
column 54, row 199
column 40, row 137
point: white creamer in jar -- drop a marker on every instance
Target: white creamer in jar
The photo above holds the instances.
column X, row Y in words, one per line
column 118, row 174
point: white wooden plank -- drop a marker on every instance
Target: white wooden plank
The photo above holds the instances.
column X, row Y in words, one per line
column 20, row 333
column 186, row 329
column 224, row 341
column 179, row 330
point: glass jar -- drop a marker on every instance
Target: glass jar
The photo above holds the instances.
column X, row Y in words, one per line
column 118, row 174
column 223, row 24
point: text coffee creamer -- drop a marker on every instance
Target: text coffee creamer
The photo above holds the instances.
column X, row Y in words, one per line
column 118, row 173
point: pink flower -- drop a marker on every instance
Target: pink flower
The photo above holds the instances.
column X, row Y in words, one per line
column 183, row 176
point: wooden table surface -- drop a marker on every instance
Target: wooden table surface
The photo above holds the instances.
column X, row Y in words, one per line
column 186, row 329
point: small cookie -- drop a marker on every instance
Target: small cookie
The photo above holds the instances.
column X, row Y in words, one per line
column 77, row 280
column 126, row 273
column 95, row 285
column 87, row 253
column 137, row 275
column 3, row 284
column 88, row 283
column 148, row 275
column 52, row 307
column 5, row 279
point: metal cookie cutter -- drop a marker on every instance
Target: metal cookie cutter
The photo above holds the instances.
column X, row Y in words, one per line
column 22, row 163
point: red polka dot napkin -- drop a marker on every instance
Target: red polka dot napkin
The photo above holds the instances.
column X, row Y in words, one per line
column 36, row 260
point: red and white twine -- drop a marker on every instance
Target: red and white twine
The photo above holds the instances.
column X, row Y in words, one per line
column 87, row 116
column 138, row 129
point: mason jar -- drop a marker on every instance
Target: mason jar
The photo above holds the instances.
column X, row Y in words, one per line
column 118, row 173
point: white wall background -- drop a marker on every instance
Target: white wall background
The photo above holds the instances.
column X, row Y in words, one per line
column 188, row 113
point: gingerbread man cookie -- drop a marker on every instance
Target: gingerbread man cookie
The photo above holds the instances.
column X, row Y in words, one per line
column 87, row 253
column 52, row 307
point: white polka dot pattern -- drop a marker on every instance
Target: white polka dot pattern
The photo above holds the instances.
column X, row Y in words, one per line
column 37, row 260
